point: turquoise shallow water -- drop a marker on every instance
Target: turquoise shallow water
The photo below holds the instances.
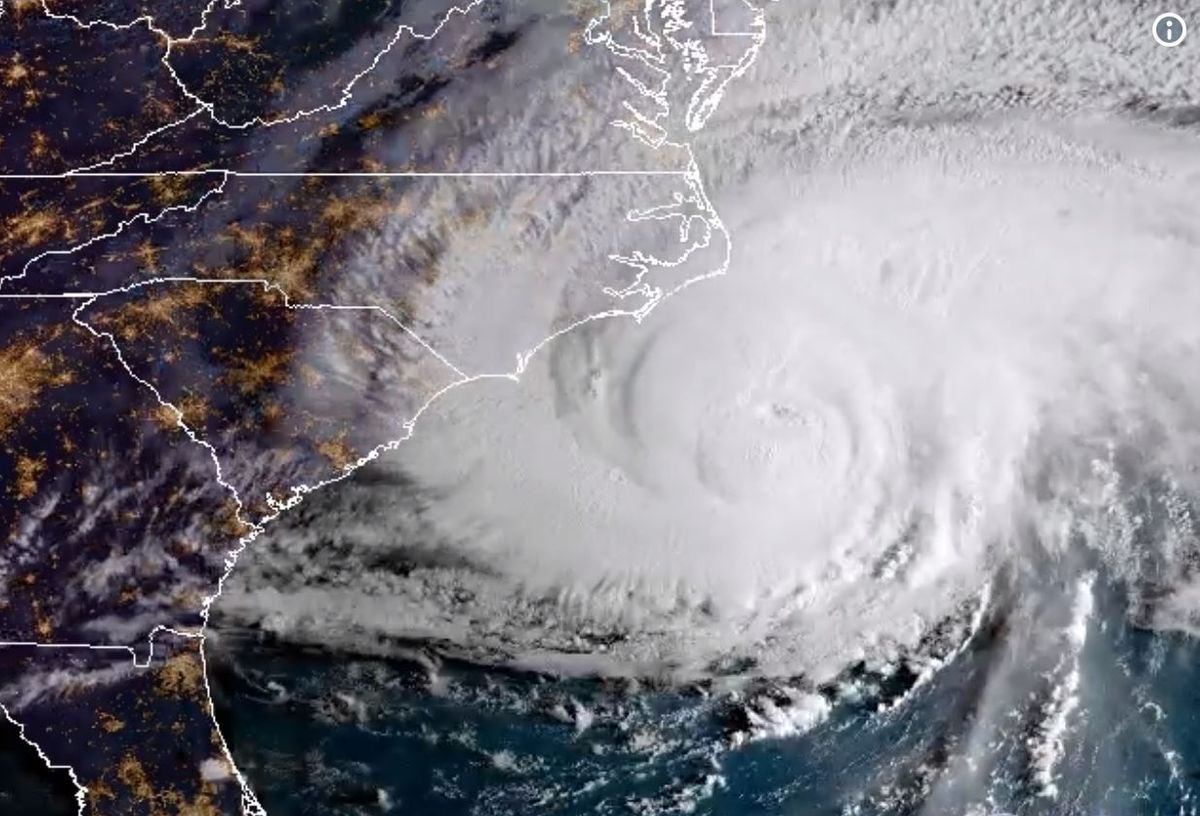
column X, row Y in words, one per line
column 321, row 733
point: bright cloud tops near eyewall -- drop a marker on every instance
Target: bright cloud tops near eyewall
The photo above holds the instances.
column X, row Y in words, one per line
column 945, row 346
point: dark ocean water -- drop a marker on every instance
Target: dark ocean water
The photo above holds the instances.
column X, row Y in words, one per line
column 318, row 732
column 321, row 733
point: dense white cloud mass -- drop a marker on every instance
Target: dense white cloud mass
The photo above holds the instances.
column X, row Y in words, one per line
column 956, row 335
column 906, row 375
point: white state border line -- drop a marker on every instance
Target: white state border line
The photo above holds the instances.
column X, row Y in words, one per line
column 345, row 93
column 715, row 31
column 52, row 296
column 143, row 216
column 70, row 174
column 268, row 286
column 138, row 663
column 222, row 176
column 250, row 804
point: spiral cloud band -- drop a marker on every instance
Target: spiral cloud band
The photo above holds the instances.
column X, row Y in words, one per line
column 902, row 382
column 956, row 338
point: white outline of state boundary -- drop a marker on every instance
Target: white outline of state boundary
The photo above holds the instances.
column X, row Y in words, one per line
column 638, row 127
column 378, row 174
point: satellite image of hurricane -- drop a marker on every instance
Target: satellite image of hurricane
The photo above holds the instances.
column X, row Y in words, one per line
column 621, row 407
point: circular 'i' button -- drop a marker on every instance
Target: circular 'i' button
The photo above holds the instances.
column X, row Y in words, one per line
column 1169, row 29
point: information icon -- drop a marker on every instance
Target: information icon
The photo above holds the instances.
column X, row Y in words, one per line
column 1169, row 29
